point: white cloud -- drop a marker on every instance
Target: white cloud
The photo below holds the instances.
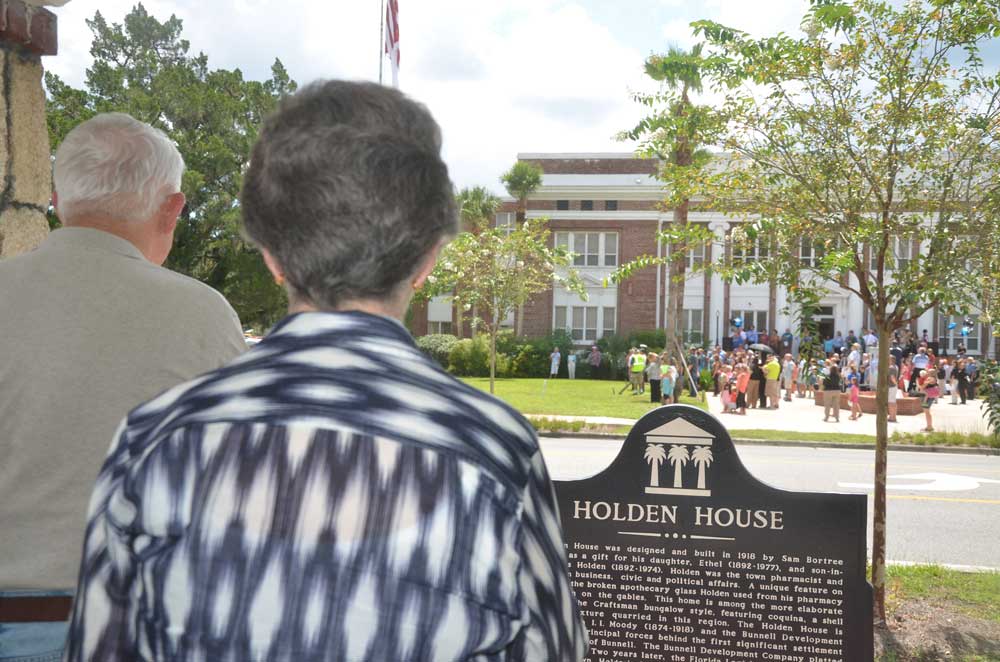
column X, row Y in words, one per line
column 501, row 78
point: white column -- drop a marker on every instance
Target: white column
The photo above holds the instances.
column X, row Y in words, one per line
column 717, row 329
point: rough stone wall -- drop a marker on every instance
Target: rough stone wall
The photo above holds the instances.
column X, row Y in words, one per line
column 26, row 33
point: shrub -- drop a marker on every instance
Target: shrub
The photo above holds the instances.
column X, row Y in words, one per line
column 705, row 379
column 438, row 346
column 470, row 357
column 532, row 356
column 652, row 338
column 989, row 390
column 531, row 361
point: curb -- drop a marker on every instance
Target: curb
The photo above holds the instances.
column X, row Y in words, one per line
column 959, row 450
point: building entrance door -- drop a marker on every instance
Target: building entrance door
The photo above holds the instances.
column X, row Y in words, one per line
column 825, row 321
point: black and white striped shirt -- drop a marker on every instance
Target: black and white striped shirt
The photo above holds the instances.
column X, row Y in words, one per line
column 330, row 495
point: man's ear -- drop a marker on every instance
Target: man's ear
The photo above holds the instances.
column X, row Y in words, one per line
column 273, row 266
column 427, row 264
column 169, row 211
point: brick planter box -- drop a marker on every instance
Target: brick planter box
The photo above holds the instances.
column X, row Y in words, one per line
column 905, row 406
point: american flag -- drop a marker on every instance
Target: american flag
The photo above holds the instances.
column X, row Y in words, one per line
column 392, row 38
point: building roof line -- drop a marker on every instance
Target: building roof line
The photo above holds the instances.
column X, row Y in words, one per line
column 578, row 155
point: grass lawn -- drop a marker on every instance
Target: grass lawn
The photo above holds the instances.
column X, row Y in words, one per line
column 576, row 397
column 975, row 593
column 928, row 439
column 792, row 435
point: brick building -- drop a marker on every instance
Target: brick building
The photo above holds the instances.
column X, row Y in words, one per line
column 607, row 209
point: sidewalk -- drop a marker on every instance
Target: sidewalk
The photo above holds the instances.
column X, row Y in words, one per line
column 802, row 415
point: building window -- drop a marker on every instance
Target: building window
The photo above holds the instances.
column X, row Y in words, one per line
column 610, row 205
column 610, row 249
column 811, row 253
column 584, row 323
column 898, row 255
column 562, row 205
column 590, row 249
column 559, row 322
column 586, row 205
column 753, row 318
column 755, row 251
column 696, row 256
column 439, row 327
column 950, row 339
column 693, row 318
column 507, row 221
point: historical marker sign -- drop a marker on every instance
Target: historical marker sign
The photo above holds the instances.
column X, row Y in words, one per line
column 677, row 553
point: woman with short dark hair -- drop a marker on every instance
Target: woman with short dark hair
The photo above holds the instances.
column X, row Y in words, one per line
column 333, row 494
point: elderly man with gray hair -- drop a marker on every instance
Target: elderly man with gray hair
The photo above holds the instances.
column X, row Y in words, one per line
column 333, row 494
column 90, row 326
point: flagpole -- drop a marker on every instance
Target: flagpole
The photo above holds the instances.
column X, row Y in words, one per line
column 381, row 38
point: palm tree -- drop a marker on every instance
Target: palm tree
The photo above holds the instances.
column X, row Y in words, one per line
column 702, row 457
column 655, row 455
column 679, row 70
column 678, row 457
column 521, row 180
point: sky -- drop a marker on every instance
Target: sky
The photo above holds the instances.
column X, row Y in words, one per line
column 500, row 78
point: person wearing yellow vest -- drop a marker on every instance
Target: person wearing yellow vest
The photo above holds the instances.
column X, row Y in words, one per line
column 772, row 370
column 637, row 372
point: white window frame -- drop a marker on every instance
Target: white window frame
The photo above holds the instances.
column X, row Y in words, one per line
column 600, row 253
column 608, row 315
column 695, row 256
column 584, row 323
column 434, row 327
column 751, row 318
column 690, row 328
column 506, row 221
column 953, row 338
column 901, row 250
column 756, row 251
column 810, row 252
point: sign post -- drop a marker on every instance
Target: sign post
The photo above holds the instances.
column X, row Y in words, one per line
column 678, row 553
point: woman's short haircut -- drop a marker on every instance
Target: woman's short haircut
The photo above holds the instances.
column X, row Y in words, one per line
column 115, row 166
column 347, row 190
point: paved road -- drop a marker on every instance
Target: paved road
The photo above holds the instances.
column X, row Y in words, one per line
column 943, row 508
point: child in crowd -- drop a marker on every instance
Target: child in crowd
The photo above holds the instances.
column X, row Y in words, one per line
column 812, row 378
column 667, row 384
column 728, row 399
column 931, row 391
column 742, row 381
column 855, row 396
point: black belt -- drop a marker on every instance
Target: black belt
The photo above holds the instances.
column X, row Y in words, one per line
column 35, row 609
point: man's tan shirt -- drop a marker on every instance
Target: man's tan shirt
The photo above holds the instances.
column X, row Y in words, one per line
column 88, row 330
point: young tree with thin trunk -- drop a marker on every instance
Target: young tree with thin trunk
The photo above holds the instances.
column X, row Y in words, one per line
column 864, row 153
column 491, row 271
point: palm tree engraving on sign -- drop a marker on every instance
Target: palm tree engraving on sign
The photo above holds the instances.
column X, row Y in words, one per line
column 655, row 455
column 688, row 444
column 678, row 457
column 702, row 457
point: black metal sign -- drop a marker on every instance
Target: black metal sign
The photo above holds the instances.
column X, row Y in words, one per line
column 678, row 553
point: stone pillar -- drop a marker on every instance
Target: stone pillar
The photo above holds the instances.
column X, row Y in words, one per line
column 26, row 34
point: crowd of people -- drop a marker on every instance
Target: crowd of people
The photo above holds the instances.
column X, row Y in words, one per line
column 752, row 375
